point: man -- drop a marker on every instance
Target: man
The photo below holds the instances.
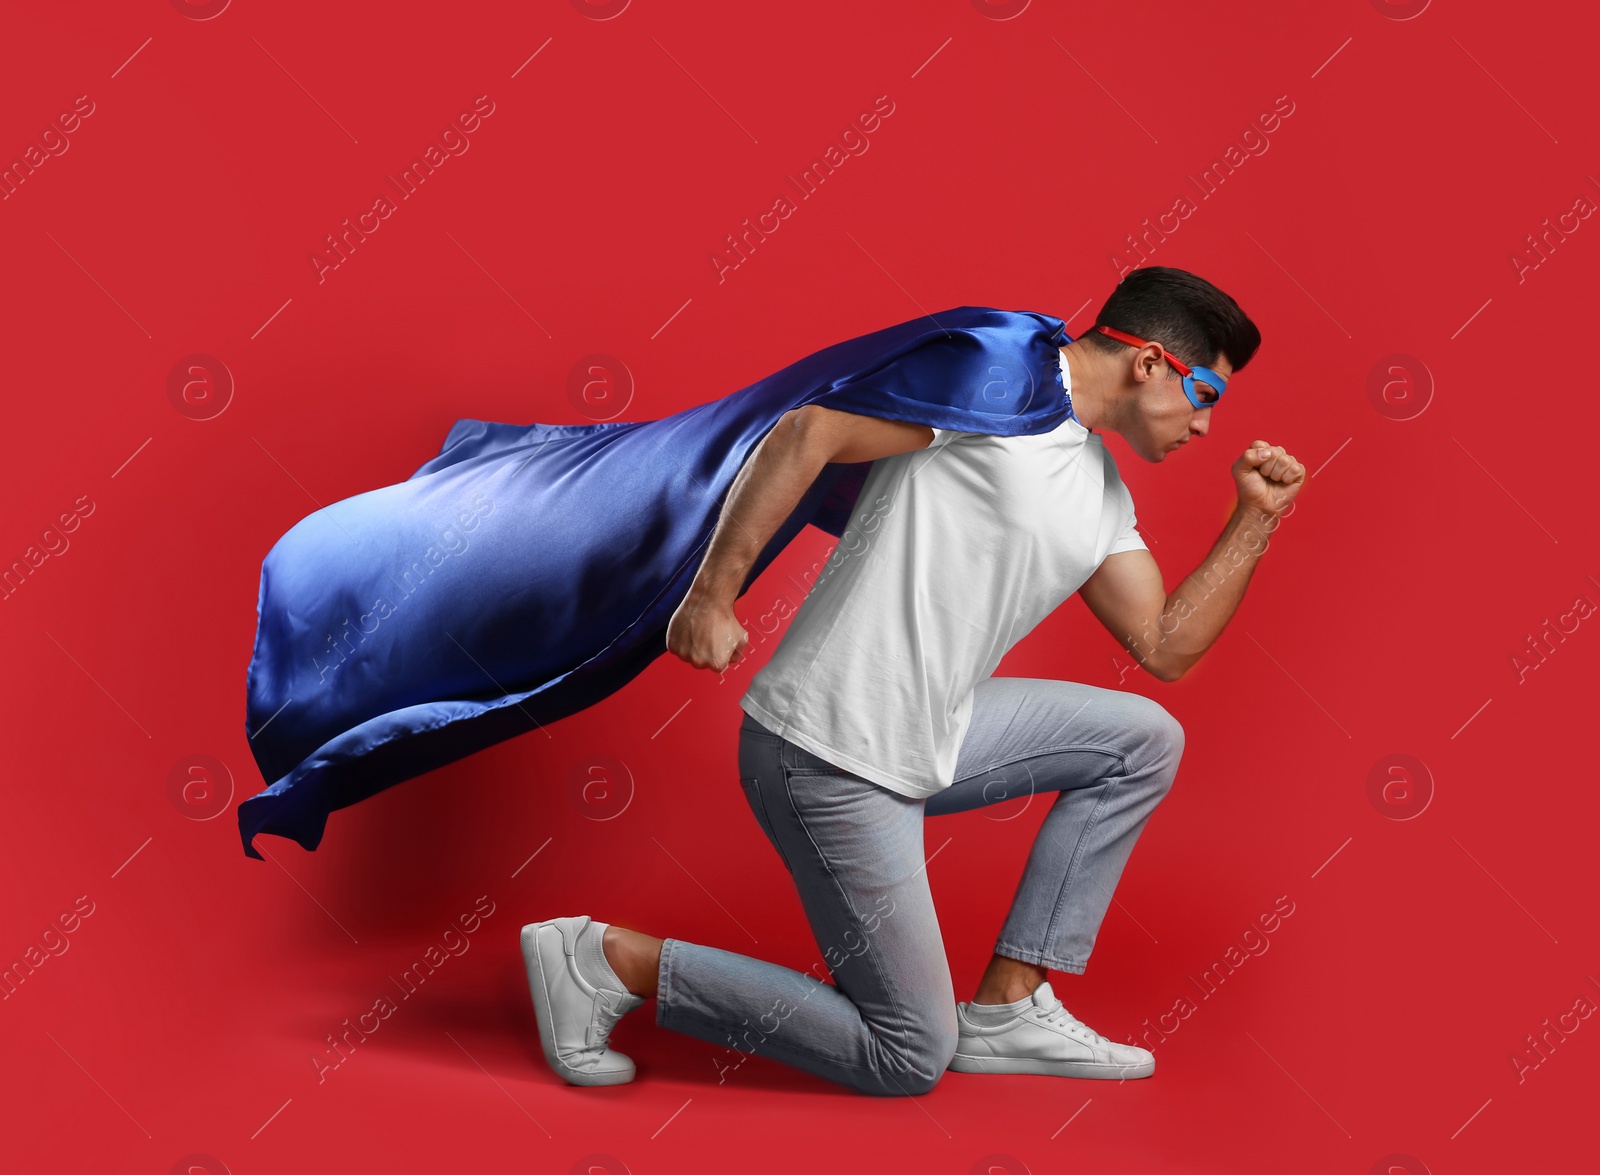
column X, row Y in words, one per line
column 878, row 707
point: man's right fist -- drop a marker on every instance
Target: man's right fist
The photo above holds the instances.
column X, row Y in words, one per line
column 706, row 633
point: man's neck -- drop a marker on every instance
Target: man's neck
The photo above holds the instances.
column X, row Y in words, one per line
column 1084, row 385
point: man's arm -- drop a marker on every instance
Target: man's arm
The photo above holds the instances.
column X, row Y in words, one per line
column 1166, row 633
column 704, row 631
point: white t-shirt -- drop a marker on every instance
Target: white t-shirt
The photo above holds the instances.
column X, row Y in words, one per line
column 952, row 555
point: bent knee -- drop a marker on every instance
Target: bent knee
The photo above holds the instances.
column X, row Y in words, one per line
column 1170, row 731
column 915, row 1064
column 1160, row 729
column 917, row 1084
column 1163, row 734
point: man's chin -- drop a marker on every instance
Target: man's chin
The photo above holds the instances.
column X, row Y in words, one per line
column 1153, row 455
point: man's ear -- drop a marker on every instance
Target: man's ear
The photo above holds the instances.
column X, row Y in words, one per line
column 1147, row 362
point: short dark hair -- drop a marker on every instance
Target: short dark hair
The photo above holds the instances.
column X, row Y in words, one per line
column 1184, row 313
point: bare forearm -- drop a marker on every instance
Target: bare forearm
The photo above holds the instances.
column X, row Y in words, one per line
column 765, row 492
column 1199, row 608
column 775, row 477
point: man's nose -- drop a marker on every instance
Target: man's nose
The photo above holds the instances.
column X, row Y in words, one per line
column 1200, row 422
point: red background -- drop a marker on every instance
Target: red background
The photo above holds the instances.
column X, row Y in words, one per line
column 1380, row 221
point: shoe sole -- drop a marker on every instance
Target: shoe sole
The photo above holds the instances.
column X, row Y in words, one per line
column 538, row 987
column 961, row 1063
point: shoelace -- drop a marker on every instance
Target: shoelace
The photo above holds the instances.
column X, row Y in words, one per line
column 1060, row 1015
column 609, row 1007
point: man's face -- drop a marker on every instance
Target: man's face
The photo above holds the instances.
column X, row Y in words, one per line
column 1165, row 418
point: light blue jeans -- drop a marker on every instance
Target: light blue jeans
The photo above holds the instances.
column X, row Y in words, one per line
column 887, row 1023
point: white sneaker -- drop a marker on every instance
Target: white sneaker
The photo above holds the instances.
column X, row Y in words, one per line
column 1046, row 1039
column 575, row 1016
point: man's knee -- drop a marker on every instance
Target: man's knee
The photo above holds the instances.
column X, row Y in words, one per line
column 1157, row 722
column 1163, row 735
column 914, row 1064
column 1170, row 731
column 934, row 1051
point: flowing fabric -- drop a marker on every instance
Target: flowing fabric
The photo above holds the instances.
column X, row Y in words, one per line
column 529, row 571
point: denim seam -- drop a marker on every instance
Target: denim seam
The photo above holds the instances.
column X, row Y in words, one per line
column 1039, row 958
column 781, row 1052
column 888, row 988
column 1034, row 753
column 753, row 794
column 1078, row 850
column 1011, row 720
column 664, row 983
column 665, row 1006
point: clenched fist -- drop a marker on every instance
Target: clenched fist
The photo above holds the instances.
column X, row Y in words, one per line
column 706, row 633
column 1268, row 478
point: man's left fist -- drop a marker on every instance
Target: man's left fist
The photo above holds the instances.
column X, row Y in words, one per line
column 1268, row 478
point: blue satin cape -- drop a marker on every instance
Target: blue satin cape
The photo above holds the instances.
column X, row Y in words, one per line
column 528, row 571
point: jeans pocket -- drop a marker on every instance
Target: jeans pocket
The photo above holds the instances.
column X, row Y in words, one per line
column 752, row 794
column 797, row 761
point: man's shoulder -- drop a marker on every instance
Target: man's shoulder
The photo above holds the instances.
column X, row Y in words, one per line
column 977, row 316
